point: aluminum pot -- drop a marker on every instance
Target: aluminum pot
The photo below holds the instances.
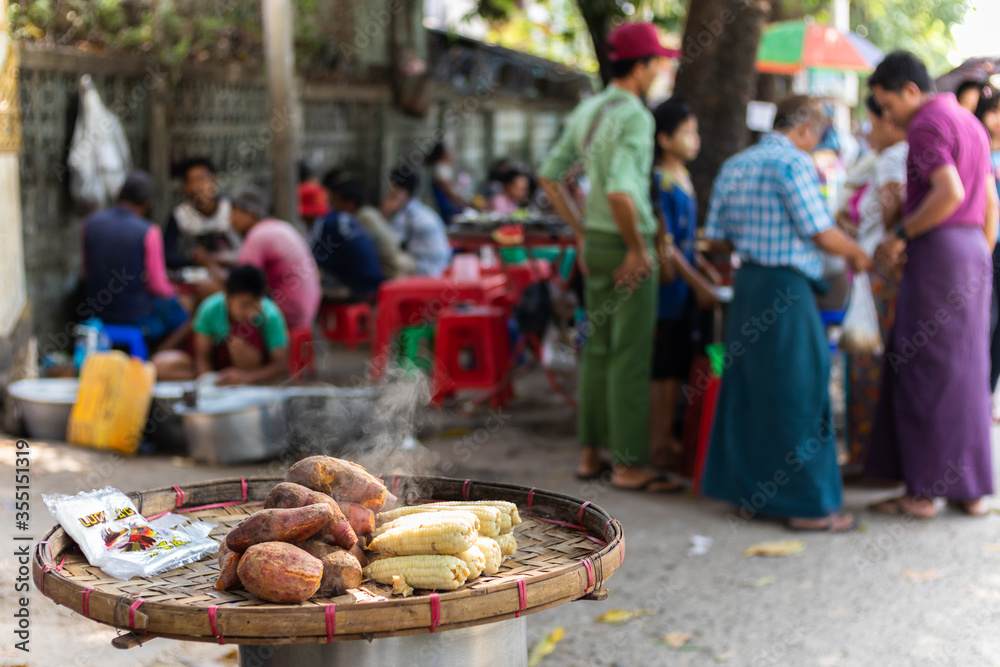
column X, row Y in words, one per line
column 240, row 425
column 45, row 405
column 500, row 644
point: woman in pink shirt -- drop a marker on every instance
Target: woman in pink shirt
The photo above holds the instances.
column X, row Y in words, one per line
column 277, row 249
column 513, row 195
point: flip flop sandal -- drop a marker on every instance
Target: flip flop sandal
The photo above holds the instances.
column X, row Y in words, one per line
column 964, row 508
column 826, row 527
column 894, row 507
column 603, row 469
column 649, row 486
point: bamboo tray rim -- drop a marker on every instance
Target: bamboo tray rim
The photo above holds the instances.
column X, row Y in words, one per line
column 502, row 597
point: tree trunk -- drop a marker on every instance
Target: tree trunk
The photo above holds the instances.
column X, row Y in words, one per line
column 597, row 14
column 717, row 77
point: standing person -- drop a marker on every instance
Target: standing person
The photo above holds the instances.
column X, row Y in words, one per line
column 125, row 270
column 610, row 132
column 773, row 428
column 988, row 113
column 676, row 143
column 419, row 230
column 277, row 249
column 199, row 229
column 880, row 208
column 933, row 425
column 969, row 94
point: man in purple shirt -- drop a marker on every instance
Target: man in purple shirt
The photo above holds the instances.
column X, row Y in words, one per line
column 932, row 430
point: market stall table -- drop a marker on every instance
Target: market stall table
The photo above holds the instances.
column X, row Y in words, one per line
column 567, row 549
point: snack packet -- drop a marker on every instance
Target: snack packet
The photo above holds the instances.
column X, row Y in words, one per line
column 116, row 538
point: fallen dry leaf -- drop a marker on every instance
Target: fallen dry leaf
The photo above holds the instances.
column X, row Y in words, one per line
column 545, row 646
column 725, row 657
column 991, row 546
column 757, row 583
column 921, row 576
column 677, row 639
column 623, row 615
column 779, row 548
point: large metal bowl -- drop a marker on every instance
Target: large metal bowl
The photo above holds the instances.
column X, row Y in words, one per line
column 45, row 405
column 242, row 425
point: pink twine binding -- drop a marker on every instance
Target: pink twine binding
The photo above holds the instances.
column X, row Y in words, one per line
column 590, row 572
column 85, row 601
column 131, row 615
column 243, row 485
column 211, row 624
column 531, row 498
column 522, row 596
column 46, row 567
column 435, row 611
column 331, row 621
column 579, row 518
column 465, row 489
column 180, row 496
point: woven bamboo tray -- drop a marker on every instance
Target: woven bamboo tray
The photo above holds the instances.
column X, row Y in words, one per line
column 566, row 550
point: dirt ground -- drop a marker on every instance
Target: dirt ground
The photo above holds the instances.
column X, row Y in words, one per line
column 897, row 592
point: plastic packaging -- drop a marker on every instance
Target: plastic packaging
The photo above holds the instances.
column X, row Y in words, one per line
column 860, row 328
column 116, row 538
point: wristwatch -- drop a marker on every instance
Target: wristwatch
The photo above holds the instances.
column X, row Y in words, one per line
column 901, row 233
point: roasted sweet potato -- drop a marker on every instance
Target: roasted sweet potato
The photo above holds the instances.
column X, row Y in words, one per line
column 360, row 554
column 340, row 479
column 289, row 495
column 229, row 561
column 279, row 525
column 362, row 519
column 280, row 572
column 341, row 570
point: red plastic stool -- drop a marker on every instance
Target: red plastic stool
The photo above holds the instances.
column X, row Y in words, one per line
column 347, row 323
column 301, row 353
column 471, row 351
column 521, row 276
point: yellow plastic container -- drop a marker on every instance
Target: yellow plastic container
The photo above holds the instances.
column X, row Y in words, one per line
column 112, row 403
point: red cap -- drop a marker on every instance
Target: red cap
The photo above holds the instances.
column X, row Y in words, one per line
column 636, row 40
column 312, row 200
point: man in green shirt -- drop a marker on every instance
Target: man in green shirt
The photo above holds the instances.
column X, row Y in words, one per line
column 611, row 133
column 240, row 333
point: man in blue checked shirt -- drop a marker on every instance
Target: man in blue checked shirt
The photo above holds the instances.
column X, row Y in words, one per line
column 772, row 450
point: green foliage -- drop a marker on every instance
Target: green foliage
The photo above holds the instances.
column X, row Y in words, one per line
column 173, row 31
column 921, row 26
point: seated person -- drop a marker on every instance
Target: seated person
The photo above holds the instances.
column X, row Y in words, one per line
column 494, row 179
column 516, row 186
column 419, row 230
column 440, row 163
column 240, row 333
column 277, row 249
column 346, row 258
column 198, row 230
column 125, row 271
column 313, row 203
column 347, row 195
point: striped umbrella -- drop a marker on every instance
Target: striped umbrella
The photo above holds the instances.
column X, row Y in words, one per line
column 787, row 47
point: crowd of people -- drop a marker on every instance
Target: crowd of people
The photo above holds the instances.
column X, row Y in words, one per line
column 221, row 287
column 921, row 221
column 919, row 217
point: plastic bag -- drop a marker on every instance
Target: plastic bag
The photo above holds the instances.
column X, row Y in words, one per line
column 99, row 154
column 116, row 538
column 860, row 328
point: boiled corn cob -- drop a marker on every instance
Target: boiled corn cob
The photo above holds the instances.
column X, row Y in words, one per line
column 428, row 572
column 474, row 558
column 491, row 553
column 430, row 533
column 508, row 545
column 491, row 519
column 421, row 517
column 504, row 506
